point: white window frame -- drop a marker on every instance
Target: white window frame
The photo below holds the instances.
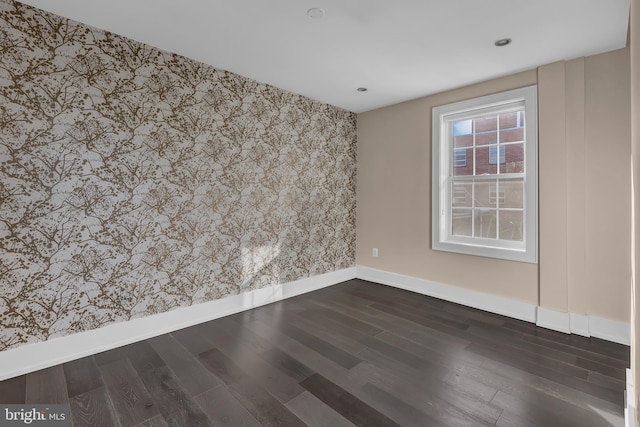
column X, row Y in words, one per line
column 443, row 116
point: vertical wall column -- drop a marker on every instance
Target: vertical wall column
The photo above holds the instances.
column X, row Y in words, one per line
column 552, row 187
column 607, row 183
column 578, row 298
column 584, row 186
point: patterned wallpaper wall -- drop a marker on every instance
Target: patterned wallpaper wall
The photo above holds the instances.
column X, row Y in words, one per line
column 134, row 181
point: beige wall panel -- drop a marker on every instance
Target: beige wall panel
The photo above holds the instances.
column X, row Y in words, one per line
column 608, row 177
column 576, row 225
column 394, row 199
column 552, row 179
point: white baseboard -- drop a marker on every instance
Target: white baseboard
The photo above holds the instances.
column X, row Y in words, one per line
column 554, row 320
column 492, row 303
column 580, row 324
column 629, row 402
column 32, row 357
column 585, row 325
column 610, row 330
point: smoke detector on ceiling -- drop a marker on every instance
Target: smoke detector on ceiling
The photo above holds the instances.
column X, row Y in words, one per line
column 315, row 13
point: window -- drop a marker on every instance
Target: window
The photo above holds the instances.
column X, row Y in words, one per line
column 484, row 176
column 459, row 158
column 497, row 195
column 493, row 154
column 460, row 195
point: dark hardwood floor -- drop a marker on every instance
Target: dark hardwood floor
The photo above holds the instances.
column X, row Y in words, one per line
column 356, row 353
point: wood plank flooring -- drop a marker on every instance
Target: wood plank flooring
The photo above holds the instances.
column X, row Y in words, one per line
column 357, row 353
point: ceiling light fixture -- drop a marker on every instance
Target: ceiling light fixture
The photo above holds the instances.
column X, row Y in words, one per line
column 315, row 13
column 502, row 42
column 362, row 89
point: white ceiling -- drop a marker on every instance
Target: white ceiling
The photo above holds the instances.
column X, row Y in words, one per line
column 398, row 49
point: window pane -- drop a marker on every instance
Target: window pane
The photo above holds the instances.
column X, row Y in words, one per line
column 484, row 223
column 508, row 120
column 512, row 126
column 483, row 190
column 461, row 222
column 486, row 138
column 463, row 141
column 496, row 195
column 462, row 133
column 493, row 154
column 462, row 127
column 514, row 159
column 485, row 124
column 512, row 135
column 511, row 225
column 462, row 159
column 482, row 162
column 461, row 195
column 459, row 157
column 511, row 193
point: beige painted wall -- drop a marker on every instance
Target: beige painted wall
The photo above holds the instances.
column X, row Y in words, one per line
column 584, row 185
column 608, row 184
column 635, row 147
column 577, row 299
column 393, row 208
column 552, row 185
column 584, row 176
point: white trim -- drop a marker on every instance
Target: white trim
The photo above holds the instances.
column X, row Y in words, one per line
column 492, row 303
column 610, row 330
column 442, row 118
column 629, row 402
column 32, row 357
column 585, row 325
column 579, row 324
column 554, row 320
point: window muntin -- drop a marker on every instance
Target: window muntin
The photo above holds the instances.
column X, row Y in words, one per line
column 486, row 205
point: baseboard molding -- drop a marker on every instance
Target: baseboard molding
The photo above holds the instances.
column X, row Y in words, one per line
column 610, row 330
column 554, row 320
column 585, row 325
column 492, row 303
column 580, row 324
column 33, row 357
column 629, row 402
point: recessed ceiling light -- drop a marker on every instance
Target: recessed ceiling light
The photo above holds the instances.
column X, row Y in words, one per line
column 502, row 42
column 362, row 89
column 315, row 13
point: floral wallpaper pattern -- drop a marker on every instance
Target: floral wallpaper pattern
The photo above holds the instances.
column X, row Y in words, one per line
column 134, row 181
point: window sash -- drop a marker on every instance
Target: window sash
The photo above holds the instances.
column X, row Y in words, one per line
column 443, row 178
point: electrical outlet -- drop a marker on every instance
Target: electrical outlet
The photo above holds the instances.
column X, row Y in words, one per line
column 374, row 252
